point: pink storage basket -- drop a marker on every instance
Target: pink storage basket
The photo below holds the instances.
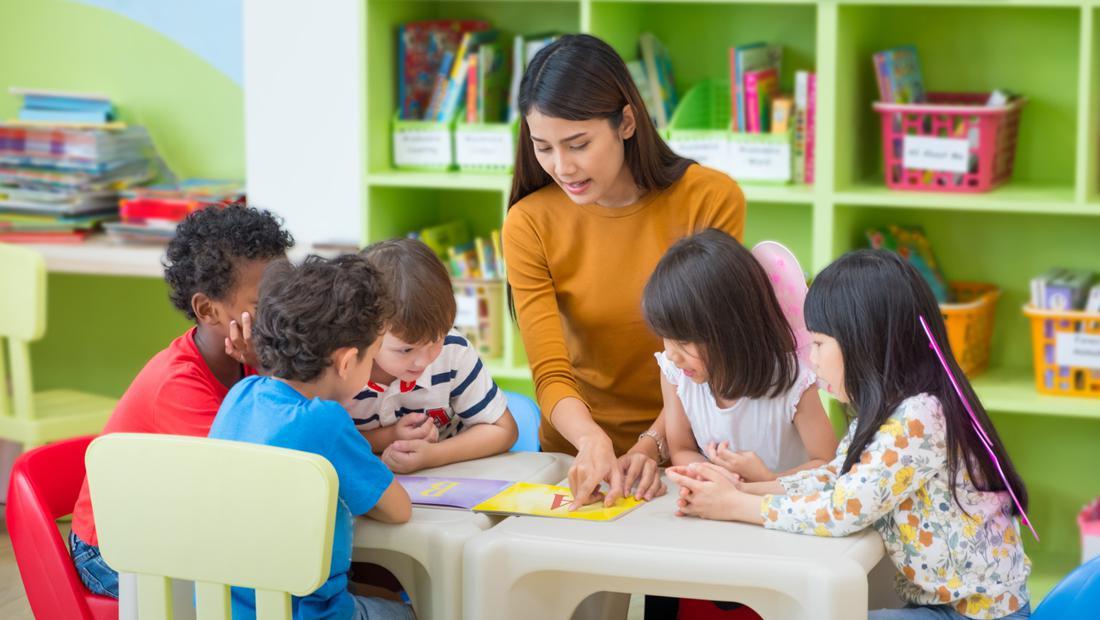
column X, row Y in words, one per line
column 1089, row 522
column 989, row 130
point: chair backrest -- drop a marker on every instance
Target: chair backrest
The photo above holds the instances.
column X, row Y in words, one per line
column 526, row 414
column 215, row 512
column 22, row 320
column 45, row 483
column 1076, row 596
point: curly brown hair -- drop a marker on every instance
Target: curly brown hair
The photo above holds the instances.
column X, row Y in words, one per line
column 309, row 311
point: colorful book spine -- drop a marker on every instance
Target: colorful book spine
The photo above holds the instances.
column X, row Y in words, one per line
column 801, row 93
column 494, row 237
column 472, row 91
column 882, row 76
column 456, row 90
column 811, row 126
column 439, row 87
column 782, row 114
column 734, row 91
column 1093, row 303
column 485, row 258
column 759, row 86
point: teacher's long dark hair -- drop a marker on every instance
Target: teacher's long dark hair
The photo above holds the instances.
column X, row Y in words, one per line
column 870, row 301
column 579, row 78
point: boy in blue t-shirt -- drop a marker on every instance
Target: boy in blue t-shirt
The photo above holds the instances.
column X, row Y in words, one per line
column 319, row 326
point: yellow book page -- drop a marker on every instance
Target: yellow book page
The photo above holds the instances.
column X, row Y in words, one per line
column 547, row 500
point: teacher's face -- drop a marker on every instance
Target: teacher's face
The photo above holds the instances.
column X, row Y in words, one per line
column 585, row 158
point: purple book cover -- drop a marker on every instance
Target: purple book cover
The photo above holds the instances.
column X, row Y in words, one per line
column 450, row 492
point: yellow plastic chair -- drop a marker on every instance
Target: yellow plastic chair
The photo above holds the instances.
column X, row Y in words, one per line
column 215, row 512
column 30, row 418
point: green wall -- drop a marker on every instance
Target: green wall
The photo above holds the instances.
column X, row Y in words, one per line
column 102, row 330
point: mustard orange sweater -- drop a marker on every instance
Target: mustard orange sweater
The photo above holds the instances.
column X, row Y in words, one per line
column 577, row 274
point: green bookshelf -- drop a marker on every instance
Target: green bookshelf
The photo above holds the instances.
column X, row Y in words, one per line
column 1049, row 214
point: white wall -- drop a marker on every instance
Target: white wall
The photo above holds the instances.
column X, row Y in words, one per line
column 304, row 104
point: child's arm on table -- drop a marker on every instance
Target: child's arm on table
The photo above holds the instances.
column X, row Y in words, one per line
column 408, row 427
column 709, row 492
column 814, row 429
column 477, row 441
column 394, row 505
column 681, row 441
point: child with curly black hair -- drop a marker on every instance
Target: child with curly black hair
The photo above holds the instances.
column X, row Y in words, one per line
column 213, row 268
column 320, row 325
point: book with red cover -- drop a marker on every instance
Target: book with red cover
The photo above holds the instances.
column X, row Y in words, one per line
column 69, row 236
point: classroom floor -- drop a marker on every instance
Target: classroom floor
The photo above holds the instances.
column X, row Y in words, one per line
column 13, row 601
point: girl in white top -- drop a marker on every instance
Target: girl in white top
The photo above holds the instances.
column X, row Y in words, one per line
column 734, row 391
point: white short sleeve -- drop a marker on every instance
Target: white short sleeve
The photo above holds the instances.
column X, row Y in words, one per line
column 671, row 373
column 805, row 380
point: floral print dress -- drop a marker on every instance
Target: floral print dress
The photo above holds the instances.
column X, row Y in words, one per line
column 972, row 560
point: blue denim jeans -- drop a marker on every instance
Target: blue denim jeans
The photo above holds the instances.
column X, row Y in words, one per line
column 371, row 608
column 92, row 568
column 936, row 612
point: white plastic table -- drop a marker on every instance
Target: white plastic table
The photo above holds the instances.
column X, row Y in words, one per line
column 535, row 567
column 425, row 554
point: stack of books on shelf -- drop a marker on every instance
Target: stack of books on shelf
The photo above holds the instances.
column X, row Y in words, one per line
column 477, row 272
column 652, row 75
column 1063, row 289
column 150, row 214
column 60, row 181
column 465, row 258
column 448, row 64
column 758, row 106
column 56, row 107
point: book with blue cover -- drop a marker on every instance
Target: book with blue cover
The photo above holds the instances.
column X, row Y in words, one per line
column 898, row 73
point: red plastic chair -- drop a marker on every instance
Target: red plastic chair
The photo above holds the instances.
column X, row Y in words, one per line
column 44, row 486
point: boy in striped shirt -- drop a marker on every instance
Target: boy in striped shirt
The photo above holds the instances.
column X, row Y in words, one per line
column 430, row 401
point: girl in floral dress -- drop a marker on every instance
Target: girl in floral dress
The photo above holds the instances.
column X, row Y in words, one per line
column 912, row 465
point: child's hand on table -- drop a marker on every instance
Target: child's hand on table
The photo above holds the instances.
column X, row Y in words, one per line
column 417, row 426
column 744, row 463
column 406, row 456
column 709, row 492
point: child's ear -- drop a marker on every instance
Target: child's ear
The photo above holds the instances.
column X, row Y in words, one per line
column 206, row 311
column 344, row 360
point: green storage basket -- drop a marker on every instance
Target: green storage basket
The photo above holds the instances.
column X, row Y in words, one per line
column 486, row 147
column 699, row 129
column 423, row 145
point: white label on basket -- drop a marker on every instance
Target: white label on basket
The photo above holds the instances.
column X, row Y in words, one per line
column 710, row 153
column 760, row 161
column 1077, row 350
column 466, row 315
column 484, row 148
column 941, row 154
column 422, row 148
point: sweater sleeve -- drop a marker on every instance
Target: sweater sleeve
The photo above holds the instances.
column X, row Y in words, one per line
column 725, row 209
column 536, row 308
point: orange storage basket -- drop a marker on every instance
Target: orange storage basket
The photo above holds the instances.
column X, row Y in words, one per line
column 1050, row 377
column 970, row 324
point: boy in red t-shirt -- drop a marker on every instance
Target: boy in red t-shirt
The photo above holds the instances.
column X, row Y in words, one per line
column 213, row 268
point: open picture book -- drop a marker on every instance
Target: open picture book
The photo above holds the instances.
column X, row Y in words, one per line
column 508, row 498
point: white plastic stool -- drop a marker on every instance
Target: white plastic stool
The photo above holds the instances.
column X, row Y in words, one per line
column 539, row 568
column 425, row 554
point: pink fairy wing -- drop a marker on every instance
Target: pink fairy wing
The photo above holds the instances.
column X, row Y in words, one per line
column 789, row 283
